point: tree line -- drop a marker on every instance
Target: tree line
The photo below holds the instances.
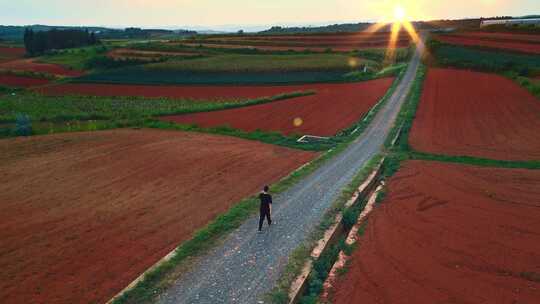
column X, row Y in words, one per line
column 37, row 43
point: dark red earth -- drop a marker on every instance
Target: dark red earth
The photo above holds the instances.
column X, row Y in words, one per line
column 449, row 233
column 476, row 114
column 30, row 65
column 503, row 41
column 8, row 53
column 84, row 214
column 20, row 81
column 335, row 107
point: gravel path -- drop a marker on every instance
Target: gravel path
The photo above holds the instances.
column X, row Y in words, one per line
column 248, row 264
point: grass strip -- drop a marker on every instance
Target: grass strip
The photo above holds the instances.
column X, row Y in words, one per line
column 280, row 294
column 322, row 266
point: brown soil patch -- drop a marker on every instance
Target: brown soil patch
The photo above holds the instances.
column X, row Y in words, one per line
column 85, row 213
column 145, row 55
column 529, row 46
column 335, row 107
column 30, row 65
column 476, row 114
column 450, row 233
column 21, row 82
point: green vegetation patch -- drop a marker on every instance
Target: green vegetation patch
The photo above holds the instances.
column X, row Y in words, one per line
column 266, row 63
column 43, row 108
column 482, row 59
column 239, row 69
column 76, row 59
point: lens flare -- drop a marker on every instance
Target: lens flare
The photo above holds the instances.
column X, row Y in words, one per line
column 399, row 13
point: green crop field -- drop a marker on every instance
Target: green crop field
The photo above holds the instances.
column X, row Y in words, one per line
column 63, row 108
column 264, row 63
column 77, row 59
column 485, row 60
column 239, row 69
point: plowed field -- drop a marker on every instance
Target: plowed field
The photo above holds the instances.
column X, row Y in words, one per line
column 513, row 42
column 448, row 233
column 191, row 92
column 21, row 82
column 145, row 55
column 318, row 43
column 83, row 214
column 333, row 108
column 10, row 53
column 476, row 114
column 32, row 66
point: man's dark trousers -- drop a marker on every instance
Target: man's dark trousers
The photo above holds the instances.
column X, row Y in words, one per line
column 265, row 212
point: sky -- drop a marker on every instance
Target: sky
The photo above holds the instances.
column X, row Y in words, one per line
column 236, row 13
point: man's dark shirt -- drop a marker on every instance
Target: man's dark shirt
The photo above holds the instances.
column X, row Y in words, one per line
column 266, row 200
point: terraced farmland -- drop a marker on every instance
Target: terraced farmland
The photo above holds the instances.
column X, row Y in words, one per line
column 476, row 114
column 334, row 107
column 449, row 233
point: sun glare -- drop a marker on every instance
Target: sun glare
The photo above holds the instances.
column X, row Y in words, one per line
column 399, row 14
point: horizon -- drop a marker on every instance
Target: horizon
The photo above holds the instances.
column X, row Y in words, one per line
column 204, row 15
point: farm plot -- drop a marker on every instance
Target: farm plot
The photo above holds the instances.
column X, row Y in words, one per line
column 239, row 69
column 476, row 114
column 85, row 213
column 186, row 92
column 317, row 43
column 512, row 42
column 8, row 53
column 123, row 54
column 333, row 108
column 30, row 65
column 448, row 233
column 20, row 81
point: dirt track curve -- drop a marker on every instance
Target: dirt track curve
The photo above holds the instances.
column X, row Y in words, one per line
column 247, row 265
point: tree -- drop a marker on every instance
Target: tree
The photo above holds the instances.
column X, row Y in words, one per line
column 29, row 41
column 40, row 42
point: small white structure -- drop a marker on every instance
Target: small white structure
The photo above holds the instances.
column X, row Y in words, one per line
column 511, row 21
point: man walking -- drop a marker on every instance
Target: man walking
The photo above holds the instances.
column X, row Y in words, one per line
column 266, row 207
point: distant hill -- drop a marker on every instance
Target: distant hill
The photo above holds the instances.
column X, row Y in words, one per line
column 347, row 27
column 15, row 33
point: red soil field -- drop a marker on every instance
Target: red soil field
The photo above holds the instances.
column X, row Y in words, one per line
column 189, row 92
column 476, row 114
column 333, row 108
column 343, row 37
column 525, row 47
column 145, row 55
column 503, row 36
column 32, row 66
column 319, row 42
column 11, row 52
column 277, row 47
column 448, row 233
column 83, row 214
column 21, row 82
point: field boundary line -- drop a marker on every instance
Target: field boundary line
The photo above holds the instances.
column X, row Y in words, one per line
column 332, row 234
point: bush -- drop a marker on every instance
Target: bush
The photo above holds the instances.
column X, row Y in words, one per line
column 349, row 218
column 23, row 125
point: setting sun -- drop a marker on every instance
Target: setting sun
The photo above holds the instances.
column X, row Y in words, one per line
column 399, row 14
